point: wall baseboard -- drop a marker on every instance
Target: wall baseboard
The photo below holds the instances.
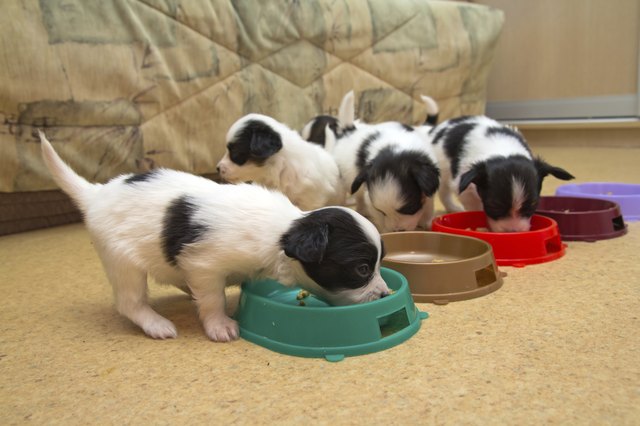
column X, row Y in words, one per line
column 598, row 107
column 628, row 138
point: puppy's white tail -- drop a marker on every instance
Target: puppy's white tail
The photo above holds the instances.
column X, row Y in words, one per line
column 73, row 184
column 432, row 110
column 347, row 111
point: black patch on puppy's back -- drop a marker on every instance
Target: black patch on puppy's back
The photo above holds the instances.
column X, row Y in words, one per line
column 454, row 142
column 442, row 129
column 509, row 132
column 141, row 177
column 316, row 133
column 444, row 126
column 179, row 228
column 345, row 131
column 363, row 150
column 332, row 248
column 407, row 127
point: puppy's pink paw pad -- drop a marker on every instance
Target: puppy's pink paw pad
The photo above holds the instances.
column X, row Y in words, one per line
column 222, row 330
column 161, row 330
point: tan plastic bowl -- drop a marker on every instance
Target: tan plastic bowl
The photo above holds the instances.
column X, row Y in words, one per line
column 442, row 268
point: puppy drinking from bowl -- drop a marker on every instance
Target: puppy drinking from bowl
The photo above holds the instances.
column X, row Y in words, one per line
column 263, row 150
column 186, row 230
column 390, row 168
column 490, row 167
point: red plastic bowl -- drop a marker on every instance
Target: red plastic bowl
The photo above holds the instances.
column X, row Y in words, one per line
column 540, row 244
column 584, row 219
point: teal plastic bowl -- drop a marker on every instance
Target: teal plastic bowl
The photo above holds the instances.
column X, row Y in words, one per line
column 269, row 315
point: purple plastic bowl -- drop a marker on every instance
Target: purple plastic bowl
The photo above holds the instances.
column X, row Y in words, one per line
column 584, row 219
column 626, row 195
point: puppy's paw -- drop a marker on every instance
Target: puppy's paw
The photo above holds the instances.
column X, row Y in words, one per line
column 222, row 329
column 160, row 328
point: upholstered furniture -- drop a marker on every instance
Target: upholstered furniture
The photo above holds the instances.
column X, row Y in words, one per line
column 124, row 85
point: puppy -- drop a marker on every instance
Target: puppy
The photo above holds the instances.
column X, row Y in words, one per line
column 190, row 232
column 265, row 151
column 314, row 130
column 390, row 168
column 490, row 167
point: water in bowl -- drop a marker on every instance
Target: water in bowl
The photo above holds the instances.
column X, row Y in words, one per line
column 419, row 257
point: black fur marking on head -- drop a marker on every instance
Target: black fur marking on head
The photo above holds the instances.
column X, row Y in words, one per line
column 316, row 133
column 454, row 142
column 414, row 171
column 363, row 151
column 407, row 127
column 494, row 182
column 333, row 249
column 255, row 142
column 179, row 228
column 141, row 177
column 509, row 132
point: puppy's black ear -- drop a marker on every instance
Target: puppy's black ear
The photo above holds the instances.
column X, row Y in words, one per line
column 477, row 175
column 545, row 169
column 427, row 176
column 264, row 142
column 306, row 241
column 359, row 180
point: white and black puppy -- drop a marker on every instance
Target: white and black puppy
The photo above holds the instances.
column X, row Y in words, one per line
column 490, row 167
column 314, row 131
column 262, row 150
column 390, row 168
column 190, row 232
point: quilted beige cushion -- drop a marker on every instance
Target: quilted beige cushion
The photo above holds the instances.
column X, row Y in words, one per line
column 124, row 85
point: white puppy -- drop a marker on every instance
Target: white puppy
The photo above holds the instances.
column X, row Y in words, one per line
column 263, row 150
column 186, row 230
column 490, row 167
column 390, row 167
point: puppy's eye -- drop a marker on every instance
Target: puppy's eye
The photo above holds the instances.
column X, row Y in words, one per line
column 363, row 270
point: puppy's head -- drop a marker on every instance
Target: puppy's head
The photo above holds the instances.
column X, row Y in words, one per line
column 340, row 252
column 400, row 186
column 314, row 130
column 251, row 142
column 510, row 189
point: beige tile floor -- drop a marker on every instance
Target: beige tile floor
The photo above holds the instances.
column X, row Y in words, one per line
column 558, row 343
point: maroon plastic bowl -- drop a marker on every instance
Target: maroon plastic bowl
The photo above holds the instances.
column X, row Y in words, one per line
column 584, row 219
column 626, row 195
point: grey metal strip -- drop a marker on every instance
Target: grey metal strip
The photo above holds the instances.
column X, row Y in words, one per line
column 568, row 108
